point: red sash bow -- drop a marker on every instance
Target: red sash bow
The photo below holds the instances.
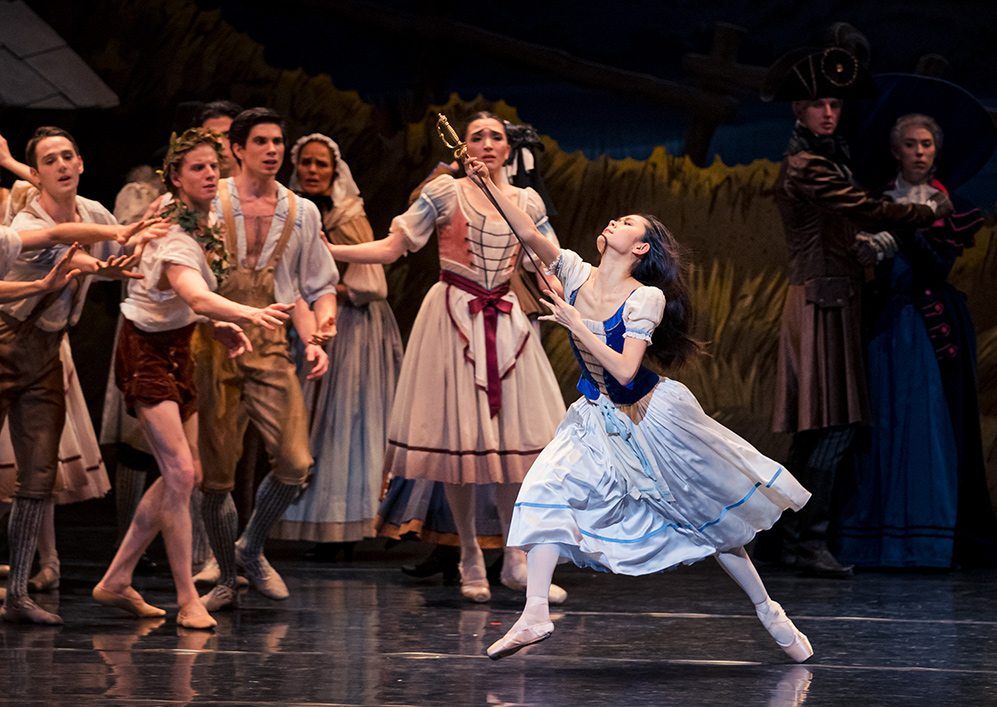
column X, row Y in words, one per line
column 489, row 303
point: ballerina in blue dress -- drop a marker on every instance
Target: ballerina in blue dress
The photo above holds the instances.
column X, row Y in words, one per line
column 637, row 479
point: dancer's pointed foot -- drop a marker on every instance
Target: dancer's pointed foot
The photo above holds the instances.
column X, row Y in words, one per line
column 474, row 577
column 129, row 600
column 26, row 611
column 789, row 638
column 261, row 575
column 221, row 597
column 47, row 580
column 518, row 638
column 195, row 616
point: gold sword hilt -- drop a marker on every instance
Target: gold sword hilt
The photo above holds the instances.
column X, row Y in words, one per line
column 450, row 138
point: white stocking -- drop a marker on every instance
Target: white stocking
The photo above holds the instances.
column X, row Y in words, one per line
column 540, row 563
column 738, row 565
column 514, row 559
column 461, row 500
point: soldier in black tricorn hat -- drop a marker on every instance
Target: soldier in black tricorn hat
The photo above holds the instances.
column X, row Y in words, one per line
column 821, row 394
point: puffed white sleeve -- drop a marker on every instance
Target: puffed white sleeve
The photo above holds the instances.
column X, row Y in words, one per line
column 571, row 270
column 537, row 210
column 436, row 203
column 643, row 312
column 10, row 248
column 176, row 248
column 316, row 273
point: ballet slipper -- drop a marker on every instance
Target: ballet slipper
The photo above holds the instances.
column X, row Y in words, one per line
column 47, row 580
column 136, row 607
column 27, row 611
column 195, row 616
column 474, row 579
column 789, row 638
column 518, row 638
column 261, row 575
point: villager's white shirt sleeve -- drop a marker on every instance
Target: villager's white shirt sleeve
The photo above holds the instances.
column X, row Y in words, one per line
column 307, row 266
column 66, row 309
column 10, row 248
column 153, row 309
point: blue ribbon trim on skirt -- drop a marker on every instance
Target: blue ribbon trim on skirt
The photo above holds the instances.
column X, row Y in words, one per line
column 663, row 528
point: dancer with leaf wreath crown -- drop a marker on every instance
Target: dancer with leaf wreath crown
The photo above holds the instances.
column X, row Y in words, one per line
column 154, row 368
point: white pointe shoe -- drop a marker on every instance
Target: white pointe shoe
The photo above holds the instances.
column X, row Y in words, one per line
column 474, row 579
column 518, row 638
column 789, row 638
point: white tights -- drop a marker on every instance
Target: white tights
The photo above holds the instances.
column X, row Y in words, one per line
column 461, row 498
column 540, row 563
column 738, row 565
column 542, row 559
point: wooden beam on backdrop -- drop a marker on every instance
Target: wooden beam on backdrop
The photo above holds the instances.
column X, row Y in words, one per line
column 441, row 31
column 718, row 73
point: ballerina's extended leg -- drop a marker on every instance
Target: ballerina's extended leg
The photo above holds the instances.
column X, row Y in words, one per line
column 514, row 564
column 738, row 565
column 534, row 624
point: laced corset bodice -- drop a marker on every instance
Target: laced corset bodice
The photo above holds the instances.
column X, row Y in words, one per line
column 594, row 378
column 636, row 318
column 481, row 249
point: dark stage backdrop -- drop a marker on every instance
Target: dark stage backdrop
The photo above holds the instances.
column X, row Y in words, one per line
column 158, row 53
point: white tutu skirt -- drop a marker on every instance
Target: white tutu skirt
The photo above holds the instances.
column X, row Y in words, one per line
column 719, row 490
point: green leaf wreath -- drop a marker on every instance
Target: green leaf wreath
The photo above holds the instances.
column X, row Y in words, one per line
column 211, row 238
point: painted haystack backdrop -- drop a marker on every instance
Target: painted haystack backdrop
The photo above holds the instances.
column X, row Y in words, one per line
column 158, row 53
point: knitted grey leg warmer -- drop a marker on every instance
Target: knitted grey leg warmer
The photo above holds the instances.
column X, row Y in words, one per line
column 200, row 548
column 272, row 499
column 221, row 522
column 22, row 531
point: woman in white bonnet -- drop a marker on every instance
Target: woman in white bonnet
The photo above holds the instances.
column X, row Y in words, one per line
column 349, row 406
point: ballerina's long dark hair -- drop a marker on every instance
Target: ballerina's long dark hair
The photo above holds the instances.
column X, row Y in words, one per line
column 662, row 267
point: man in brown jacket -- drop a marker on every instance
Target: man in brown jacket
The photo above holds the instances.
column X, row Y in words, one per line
column 821, row 394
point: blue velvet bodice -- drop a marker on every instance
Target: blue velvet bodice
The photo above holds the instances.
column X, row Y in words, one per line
column 593, row 372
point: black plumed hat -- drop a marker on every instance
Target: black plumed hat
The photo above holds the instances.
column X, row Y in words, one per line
column 807, row 74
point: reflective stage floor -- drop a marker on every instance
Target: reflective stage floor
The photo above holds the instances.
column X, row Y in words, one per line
column 361, row 633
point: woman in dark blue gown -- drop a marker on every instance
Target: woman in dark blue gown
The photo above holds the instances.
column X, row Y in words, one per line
column 920, row 497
